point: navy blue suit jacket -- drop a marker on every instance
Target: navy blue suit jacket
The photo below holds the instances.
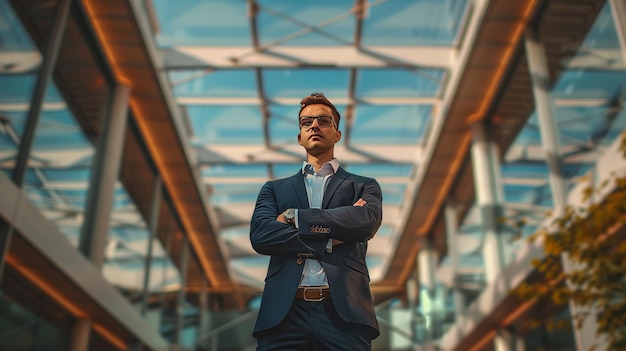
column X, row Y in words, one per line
column 345, row 267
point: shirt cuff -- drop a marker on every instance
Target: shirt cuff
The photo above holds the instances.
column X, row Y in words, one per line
column 329, row 246
column 295, row 218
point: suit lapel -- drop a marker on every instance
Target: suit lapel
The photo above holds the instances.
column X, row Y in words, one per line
column 333, row 184
column 297, row 181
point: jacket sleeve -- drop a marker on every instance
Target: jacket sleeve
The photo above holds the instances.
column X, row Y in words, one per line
column 346, row 223
column 271, row 237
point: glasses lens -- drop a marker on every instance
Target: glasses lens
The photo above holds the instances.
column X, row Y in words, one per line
column 306, row 122
column 322, row 121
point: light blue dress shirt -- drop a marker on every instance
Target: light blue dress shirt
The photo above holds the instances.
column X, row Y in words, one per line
column 313, row 273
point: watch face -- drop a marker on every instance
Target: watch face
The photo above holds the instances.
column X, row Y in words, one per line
column 289, row 214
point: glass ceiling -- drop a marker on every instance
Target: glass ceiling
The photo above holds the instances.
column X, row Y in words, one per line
column 238, row 81
column 238, row 72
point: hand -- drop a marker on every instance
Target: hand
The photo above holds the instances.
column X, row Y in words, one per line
column 360, row 202
column 281, row 218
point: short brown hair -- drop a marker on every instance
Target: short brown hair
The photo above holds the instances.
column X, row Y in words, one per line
column 319, row 98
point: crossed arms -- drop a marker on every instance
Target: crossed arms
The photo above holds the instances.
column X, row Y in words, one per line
column 356, row 222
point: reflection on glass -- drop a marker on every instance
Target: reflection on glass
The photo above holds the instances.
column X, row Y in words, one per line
column 19, row 59
column 127, row 247
column 58, row 173
column 23, row 327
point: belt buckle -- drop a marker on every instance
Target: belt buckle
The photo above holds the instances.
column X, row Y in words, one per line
column 320, row 298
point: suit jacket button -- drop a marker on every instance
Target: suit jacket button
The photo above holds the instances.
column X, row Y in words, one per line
column 299, row 260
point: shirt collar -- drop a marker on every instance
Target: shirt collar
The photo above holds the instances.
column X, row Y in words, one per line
column 334, row 163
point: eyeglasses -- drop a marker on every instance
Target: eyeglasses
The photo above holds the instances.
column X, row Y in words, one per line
column 322, row 121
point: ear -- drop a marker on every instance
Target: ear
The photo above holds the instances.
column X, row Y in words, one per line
column 337, row 136
column 299, row 139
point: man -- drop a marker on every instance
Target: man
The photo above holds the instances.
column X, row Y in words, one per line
column 315, row 226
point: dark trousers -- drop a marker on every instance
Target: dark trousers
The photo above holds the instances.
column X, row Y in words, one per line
column 314, row 326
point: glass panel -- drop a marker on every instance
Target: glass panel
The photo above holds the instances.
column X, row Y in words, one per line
column 61, row 149
column 289, row 23
column 582, row 127
column 284, row 123
column 288, row 83
column 202, row 22
column 390, row 125
column 219, row 84
column 230, row 194
column 20, row 60
column 234, row 171
column 377, row 170
column 21, row 329
column 408, row 22
column 394, row 193
column 399, row 83
column 129, row 236
column 225, row 125
column 287, row 170
column 29, row 318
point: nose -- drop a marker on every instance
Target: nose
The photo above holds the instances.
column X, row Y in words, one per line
column 315, row 126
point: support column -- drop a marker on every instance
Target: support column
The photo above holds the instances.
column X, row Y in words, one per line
column 489, row 197
column 537, row 62
column 6, row 232
column 79, row 339
column 490, row 200
column 169, row 238
column 618, row 10
column 104, row 174
column 154, row 224
column 427, row 260
column 203, row 317
column 50, row 55
column 180, row 301
column 452, row 233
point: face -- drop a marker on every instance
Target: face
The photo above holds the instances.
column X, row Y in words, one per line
column 315, row 139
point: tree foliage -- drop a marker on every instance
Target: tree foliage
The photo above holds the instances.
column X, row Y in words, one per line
column 593, row 239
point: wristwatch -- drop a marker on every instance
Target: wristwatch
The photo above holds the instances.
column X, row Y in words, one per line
column 290, row 216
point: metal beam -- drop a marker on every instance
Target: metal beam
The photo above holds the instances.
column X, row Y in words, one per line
column 104, row 175
column 295, row 101
column 155, row 210
column 347, row 56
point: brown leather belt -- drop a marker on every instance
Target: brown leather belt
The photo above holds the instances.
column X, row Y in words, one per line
column 313, row 294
